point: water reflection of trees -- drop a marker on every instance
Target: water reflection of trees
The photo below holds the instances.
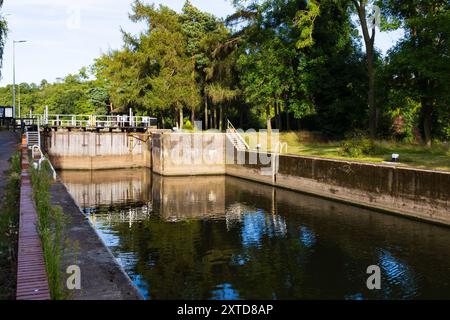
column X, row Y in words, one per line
column 216, row 237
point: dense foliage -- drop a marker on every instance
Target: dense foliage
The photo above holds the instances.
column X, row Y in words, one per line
column 285, row 64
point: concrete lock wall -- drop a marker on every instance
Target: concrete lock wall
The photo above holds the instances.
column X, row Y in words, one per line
column 422, row 194
column 98, row 150
column 183, row 154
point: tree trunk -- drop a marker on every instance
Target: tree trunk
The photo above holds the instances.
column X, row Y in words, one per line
column 214, row 117
column 279, row 122
column 176, row 117
column 221, row 117
column 288, row 122
column 276, row 116
column 369, row 41
column 268, row 120
column 206, row 112
column 181, row 117
column 373, row 121
column 426, row 119
column 193, row 118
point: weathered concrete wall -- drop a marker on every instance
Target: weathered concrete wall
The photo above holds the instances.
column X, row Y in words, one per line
column 422, row 194
column 249, row 165
column 98, row 150
column 184, row 154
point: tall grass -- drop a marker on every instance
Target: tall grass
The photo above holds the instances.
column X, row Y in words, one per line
column 9, row 225
column 50, row 227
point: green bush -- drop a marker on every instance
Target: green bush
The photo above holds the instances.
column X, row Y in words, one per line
column 188, row 125
column 357, row 145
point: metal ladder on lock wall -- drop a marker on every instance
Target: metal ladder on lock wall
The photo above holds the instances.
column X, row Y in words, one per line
column 33, row 137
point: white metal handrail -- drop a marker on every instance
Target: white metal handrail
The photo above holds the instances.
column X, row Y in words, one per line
column 83, row 120
column 35, row 148
column 231, row 129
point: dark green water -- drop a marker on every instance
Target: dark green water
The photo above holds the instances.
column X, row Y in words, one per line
column 227, row 238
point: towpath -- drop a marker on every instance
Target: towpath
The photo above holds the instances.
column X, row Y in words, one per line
column 8, row 145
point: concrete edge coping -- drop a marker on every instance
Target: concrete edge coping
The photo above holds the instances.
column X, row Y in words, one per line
column 130, row 282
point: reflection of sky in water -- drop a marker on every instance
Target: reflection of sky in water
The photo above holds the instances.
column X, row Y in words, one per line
column 307, row 237
column 357, row 296
column 257, row 224
column 397, row 274
column 224, row 291
column 127, row 260
column 108, row 236
column 253, row 226
column 239, row 259
column 141, row 284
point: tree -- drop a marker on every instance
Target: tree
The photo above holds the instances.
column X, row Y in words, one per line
column 204, row 33
column 154, row 72
column 267, row 81
column 220, row 95
column 419, row 65
column 368, row 26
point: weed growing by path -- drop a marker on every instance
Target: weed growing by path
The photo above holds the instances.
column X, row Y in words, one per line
column 50, row 226
column 9, row 224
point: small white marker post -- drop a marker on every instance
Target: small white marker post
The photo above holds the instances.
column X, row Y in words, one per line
column 395, row 157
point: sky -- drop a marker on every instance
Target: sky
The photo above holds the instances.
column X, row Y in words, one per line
column 65, row 35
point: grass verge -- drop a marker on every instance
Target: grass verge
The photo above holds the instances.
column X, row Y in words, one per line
column 50, row 226
column 9, row 225
column 414, row 155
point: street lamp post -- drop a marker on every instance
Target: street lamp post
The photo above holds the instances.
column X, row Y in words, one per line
column 14, row 76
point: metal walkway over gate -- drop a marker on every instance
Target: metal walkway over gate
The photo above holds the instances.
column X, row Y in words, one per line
column 88, row 121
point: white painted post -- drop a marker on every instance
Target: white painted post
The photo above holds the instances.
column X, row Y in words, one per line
column 131, row 117
column 46, row 115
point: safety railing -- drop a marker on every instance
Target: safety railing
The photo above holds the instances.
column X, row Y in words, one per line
column 36, row 150
column 86, row 121
column 236, row 136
